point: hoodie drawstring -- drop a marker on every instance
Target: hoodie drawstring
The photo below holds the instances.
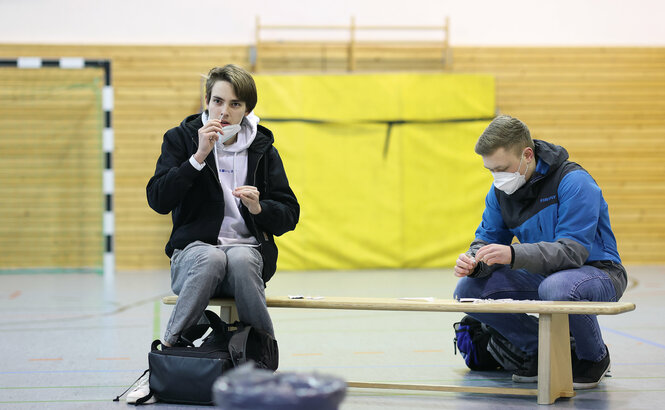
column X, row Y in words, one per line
column 233, row 167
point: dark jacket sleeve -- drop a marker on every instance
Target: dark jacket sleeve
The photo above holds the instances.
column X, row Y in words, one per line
column 280, row 211
column 174, row 174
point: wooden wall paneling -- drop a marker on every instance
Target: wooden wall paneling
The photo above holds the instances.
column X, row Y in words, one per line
column 604, row 104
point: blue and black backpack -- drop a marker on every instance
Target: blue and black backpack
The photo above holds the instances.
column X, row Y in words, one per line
column 483, row 348
column 472, row 338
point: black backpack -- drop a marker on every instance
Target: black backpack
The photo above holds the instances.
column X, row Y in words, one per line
column 483, row 348
column 185, row 373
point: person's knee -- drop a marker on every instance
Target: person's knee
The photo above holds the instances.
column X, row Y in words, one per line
column 466, row 288
column 553, row 288
column 244, row 256
column 209, row 267
column 215, row 259
column 242, row 277
column 244, row 267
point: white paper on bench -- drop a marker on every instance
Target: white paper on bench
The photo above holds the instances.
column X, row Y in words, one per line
column 305, row 297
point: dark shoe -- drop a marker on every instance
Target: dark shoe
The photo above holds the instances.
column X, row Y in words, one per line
column 587, row 374
column 529, row 373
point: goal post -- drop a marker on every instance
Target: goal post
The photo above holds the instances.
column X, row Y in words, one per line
column 56, row 165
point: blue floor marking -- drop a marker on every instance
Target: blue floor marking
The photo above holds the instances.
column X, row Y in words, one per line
column 72, row 371
column 618, row 332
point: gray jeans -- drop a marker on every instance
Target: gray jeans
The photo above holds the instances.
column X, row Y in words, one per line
column 202, row 271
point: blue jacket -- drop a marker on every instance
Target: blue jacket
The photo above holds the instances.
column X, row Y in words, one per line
column 559, row 217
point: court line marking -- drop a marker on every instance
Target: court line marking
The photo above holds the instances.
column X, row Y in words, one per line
column 112, row 312
column 73, row 371
column 52, row 401
column 628, row 335
column 60, row 387
column 45, row 359
column 156, row 316
column 66, row 329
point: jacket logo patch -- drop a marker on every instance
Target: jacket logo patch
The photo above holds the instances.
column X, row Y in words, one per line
column 548, row 199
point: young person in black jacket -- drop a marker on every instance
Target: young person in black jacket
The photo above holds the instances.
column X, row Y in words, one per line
column 227, row 198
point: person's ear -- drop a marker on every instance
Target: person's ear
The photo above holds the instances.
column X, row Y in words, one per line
column 529, row 154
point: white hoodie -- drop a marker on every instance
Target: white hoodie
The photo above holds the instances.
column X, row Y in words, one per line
column 231, row 163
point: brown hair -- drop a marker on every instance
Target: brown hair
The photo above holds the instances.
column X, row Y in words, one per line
column 241, row 81
column 504, row 132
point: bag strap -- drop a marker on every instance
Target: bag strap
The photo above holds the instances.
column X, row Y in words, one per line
column 192, row 333
column 238, row 345
column 216, row 323
column 195, row 332
column 144, row 399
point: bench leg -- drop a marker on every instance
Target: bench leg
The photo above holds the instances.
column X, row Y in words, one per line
column 228, row 313
column 555, row 375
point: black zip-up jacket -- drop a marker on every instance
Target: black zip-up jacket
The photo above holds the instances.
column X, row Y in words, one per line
column 196, row 201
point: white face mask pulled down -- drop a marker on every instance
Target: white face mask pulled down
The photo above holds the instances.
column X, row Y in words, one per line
column 510, row 182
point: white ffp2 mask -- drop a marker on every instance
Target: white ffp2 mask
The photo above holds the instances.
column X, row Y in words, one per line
column 510, row 182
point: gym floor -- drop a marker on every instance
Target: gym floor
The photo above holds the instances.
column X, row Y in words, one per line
column 70, row 341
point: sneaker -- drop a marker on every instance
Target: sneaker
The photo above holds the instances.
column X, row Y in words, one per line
column 587, row 374
column 529, row 373
column 141, row 390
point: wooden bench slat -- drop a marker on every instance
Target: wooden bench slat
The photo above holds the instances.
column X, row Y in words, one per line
column 459, row 389
column 438, row 305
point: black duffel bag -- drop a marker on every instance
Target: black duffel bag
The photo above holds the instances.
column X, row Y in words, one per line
column 185, row 373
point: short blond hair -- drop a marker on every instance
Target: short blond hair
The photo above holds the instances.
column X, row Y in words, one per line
column 504, row 132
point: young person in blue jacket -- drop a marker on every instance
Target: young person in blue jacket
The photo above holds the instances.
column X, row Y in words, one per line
column 566, row 249
column 227, row 198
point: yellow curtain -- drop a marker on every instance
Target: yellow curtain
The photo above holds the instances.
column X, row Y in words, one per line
column 382, row 165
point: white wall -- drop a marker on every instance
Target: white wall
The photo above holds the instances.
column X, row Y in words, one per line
column 497, row 22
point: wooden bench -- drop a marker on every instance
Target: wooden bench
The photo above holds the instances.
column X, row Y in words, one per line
column 554, row 362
